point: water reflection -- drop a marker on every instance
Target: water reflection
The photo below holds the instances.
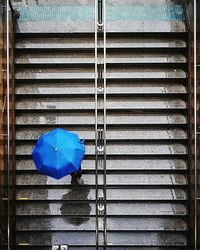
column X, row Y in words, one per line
column 79, row 209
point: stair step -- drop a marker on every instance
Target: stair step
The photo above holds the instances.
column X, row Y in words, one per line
column 122, row 148
column 132, row 195
column 111, row 134
column 116, row 179
column 86, row 119
column 120, row 164
column 158, row 239
column 88, row 224
column 119, row 239
column 84, row 73
column 50, row 27
column 87, row 103
column 85, row 43
column 118, row 58
column 50, row 89
column 133, row 211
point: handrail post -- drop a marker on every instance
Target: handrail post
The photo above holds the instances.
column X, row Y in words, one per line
column 100, row 15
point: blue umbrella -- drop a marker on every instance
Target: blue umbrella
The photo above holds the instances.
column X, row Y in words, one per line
column 58, row 153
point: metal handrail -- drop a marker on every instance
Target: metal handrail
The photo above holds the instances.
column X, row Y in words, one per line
column 100, row 14
column 100, row 133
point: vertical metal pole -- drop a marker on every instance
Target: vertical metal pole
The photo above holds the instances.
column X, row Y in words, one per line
column 105, row 127
column 100, row 11
column 8, row 114
column 195, row 127
column 96, row 127
column 100, row 14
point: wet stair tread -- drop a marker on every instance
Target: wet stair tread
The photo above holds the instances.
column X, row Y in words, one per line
column 113, row 224
column 60, row 89
column 84, row 73
column 88, row 58
column 88, row 43
column 132, row 195
column 120, row 239
column 112, row 134
column 112, row 179
column 88, row 103
column 134, row 211
column 120, row 165
column 129, row 148
column 86, row 119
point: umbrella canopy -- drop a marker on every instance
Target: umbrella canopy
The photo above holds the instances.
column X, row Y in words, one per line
column 58, row 153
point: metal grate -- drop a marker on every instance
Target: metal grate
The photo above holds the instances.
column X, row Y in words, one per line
column 86, row 13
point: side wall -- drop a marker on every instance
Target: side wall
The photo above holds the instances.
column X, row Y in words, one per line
column 6, row 134
column 189, row 12
column 3, row 191
column 198, row 116
column 189, row 4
